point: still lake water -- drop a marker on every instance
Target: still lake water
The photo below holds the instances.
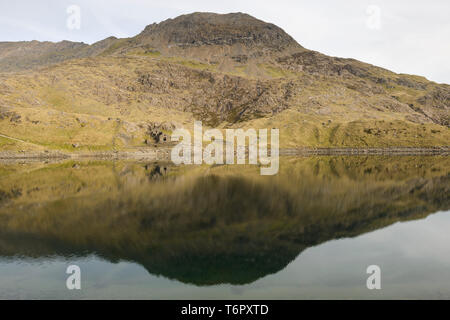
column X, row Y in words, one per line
column 156, row 231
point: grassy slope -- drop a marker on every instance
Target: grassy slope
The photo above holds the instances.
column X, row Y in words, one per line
column 79, row 103
column 95, row 103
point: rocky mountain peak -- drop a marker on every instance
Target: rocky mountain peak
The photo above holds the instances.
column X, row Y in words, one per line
column 199, row 29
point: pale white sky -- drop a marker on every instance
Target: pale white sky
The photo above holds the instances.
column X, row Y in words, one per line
column 403, row 36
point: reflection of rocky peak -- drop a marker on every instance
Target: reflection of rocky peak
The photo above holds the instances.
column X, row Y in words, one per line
column 199, row 29
column 214, row 228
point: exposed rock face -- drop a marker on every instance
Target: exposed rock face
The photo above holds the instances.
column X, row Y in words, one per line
column 438, row 102
column 159, row 132
column 222, row 98
column 199, row 29
column 316, row 63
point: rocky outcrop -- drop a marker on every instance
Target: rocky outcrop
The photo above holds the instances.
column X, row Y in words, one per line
column 159, row 132
column 199, row 29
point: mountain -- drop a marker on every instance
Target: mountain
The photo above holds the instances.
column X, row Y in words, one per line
column 228, row 70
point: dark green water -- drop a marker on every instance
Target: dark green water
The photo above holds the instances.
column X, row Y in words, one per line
column 156, row 231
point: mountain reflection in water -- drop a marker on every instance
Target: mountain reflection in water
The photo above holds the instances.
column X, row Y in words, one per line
column 208, row 225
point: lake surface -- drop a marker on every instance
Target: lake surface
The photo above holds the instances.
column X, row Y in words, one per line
column 156, row 231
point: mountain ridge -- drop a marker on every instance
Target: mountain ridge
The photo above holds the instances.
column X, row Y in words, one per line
column 190, row 30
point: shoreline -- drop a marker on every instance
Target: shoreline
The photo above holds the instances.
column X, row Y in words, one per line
column 164, row 153
column 445, row 150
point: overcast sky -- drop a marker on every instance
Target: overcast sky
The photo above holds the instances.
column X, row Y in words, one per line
column 403, row 36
